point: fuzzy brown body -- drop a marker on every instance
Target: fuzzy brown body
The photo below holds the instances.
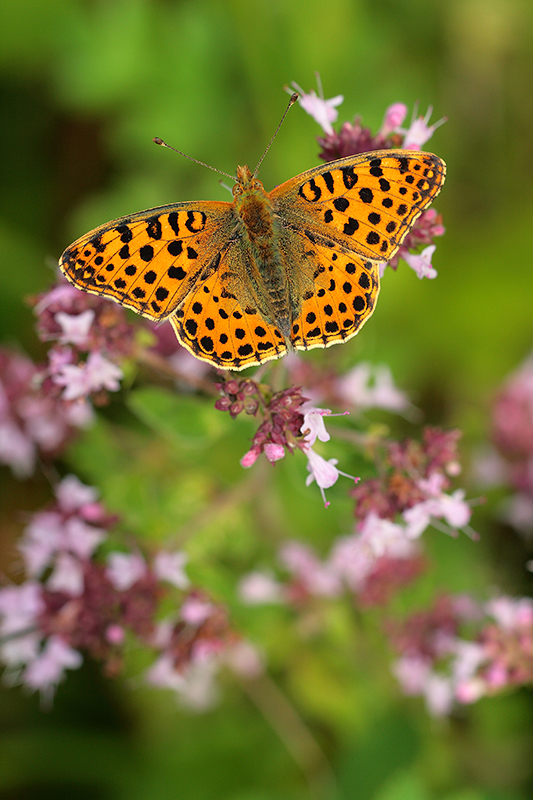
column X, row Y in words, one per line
column 261, row 231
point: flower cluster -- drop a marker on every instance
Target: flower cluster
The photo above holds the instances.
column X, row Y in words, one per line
column 392, row 512
column 353, row 138
column 412, row 483
column 75, row 602
column 34, row 420
column 286, row 424
column 460, row 651
column 512, row 434
column 371, row 564
column 90, row 335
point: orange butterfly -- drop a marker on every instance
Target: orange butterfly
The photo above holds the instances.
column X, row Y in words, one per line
column 244, row 282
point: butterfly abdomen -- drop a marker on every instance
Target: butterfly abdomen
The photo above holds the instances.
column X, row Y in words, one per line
column 255, row 210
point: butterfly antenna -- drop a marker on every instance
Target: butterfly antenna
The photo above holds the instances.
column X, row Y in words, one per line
column 159, row 141
column 294, row 98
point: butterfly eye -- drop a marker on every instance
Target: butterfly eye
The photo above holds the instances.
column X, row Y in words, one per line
column 257, row 185
column 237, row 189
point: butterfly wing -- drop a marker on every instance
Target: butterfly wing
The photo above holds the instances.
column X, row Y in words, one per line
column 189, row 262
column 151, row 260
column 338, row 222
column 220, row 321
column 366, row 203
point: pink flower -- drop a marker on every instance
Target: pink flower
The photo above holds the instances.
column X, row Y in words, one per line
column 439, row 694
column 115, row 634
column 325, row 473
column 195, row 611
column 80, row 538
column 75, row 328
column 368, row 386
column 20, row 606
column 274, row 452
column 258, row 587
column 452, row 508
column 313, row 426
column 42, row 538
column 16, row 449
column 419, row 131
column 250, row 457
column 384, row 537
column 17, row 650
column 194, row 686
column 411, row 671
column 80, row 380
column 170, row 567
column 416, row 677
column 318, row 578
column 72, row 494
column 469, row 656
column 163, row 673
column 322, row 111
column 244, row 659
column 45, row 671
column 354, row 557
column 394, row 116
column 510, row 612
column 64, row 294
column 125, row 569
column 421, row 263
column 67, row 576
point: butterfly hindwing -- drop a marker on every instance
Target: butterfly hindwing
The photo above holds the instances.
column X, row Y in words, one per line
column 217, row 326
column 344, row 298
column 151, row 260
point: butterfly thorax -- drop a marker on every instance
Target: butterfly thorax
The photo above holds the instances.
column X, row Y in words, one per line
column 260, row 234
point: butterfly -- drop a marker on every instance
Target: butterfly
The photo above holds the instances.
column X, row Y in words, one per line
column 292, row 269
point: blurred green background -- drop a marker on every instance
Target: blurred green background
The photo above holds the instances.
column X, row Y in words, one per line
column 84, row 87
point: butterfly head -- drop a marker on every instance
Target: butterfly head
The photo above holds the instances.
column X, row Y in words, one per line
column 245, row 180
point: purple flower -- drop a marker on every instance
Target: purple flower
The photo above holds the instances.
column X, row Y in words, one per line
column 170, row 567
column 195, row 610
column 259, row 587
column 313, row 426
column 72, row 495
column 420, row 131
column 325, row 473
column 421, row 263
column 322, row 111
column 67, row 576
column 452, row 508
column 367, row 386
column 125, row 569
column 273, row 452
column 318, row 578
column 45, row 671
column 75, row 328
column 80, row 380
column 394, row 116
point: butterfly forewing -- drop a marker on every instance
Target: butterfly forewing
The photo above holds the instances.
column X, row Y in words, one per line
column 151, row 260
column 366, row 203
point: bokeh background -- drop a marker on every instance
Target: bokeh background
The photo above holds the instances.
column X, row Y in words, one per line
column 84, row 86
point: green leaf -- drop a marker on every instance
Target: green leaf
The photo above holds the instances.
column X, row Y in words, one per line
column 186, row 421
